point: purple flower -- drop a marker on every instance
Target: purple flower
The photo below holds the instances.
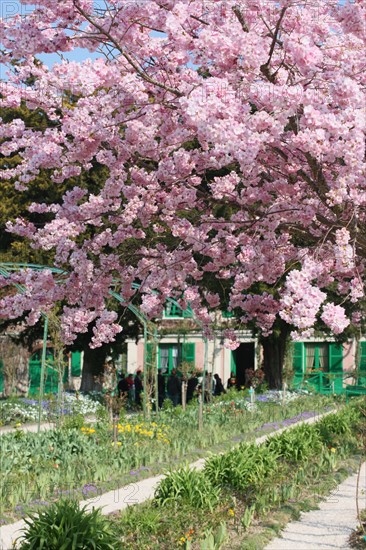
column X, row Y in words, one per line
column 133, row 473
column 89, row 488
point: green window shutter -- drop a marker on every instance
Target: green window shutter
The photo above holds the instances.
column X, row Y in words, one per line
column 76, row 363
column 336, row 366
column 233, row 362
column 362, row 365
column 227, row 314
column 188, row 352
column 298, row 362
column 1, row 376
column 150, row 356
column 34, row 374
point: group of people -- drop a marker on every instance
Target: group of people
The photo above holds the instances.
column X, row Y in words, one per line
column 131, row 387
column 170, row 387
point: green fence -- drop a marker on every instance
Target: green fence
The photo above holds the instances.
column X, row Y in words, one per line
column 51, row 372
column 327, row 383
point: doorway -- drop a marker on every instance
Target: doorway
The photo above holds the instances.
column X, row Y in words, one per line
column 242, row 359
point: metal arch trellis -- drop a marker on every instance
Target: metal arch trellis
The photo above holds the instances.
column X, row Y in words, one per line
column 7, row 267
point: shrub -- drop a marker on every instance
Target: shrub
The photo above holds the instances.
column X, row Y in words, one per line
column 63, row 526
column 185, row 486
column 73, row 422
column 296, row 444
column 246, row 468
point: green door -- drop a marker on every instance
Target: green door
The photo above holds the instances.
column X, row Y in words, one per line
column 51, row 374
column 1, row 376
column 336, row 367
column 298, row 363
column 76, row 363
column 362, row 365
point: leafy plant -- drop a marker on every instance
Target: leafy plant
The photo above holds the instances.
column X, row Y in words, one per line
column 214, row 539
column 247, row 467
column 187, row 486
column 73, row 422
column 247, row 517
column 296, row 444
column 63, row 526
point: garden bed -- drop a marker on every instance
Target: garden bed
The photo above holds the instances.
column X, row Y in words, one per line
column 22, row 410
column 244, row 497
column 84, row 460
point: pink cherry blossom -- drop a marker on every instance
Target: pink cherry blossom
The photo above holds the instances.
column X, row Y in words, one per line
column 232, row 138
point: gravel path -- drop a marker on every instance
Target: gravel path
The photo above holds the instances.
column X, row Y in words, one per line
column 331, row 525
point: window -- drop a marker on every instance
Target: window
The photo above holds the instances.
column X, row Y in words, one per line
column 227, row 314
column 317, row 357
column 173, row 310
column 169, row 357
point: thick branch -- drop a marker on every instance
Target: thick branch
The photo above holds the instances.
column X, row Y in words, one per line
column 265, row 67
column 240, row 18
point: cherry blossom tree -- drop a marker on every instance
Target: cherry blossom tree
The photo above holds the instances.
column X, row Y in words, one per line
column 233, row 134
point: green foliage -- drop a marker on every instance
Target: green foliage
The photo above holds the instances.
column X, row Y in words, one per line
column 63, row 526
column 214, row 539
column 73, row 422
column 246, row 468
column 247, row 517
column 189, row 487
column 296, row 444
column 338, row 428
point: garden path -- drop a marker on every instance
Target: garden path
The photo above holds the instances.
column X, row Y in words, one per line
column 330, row 526
column 28, row 428
column 34, row 427
column 119, row 499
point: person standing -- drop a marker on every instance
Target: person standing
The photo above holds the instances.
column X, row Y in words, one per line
column 161, row 388
column 191, row 386
column 173, row 388
column 131, row 389
column 123, row 387
column 219, row 387
column 231, row 383
column 138, row 388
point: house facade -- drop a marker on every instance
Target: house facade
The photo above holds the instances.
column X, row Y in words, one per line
column 318, row 362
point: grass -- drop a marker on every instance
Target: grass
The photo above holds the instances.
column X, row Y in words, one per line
column 358, row 537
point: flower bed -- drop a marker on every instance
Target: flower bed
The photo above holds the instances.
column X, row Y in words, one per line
column 24, row 410
column 228, row 501
column 93, row 458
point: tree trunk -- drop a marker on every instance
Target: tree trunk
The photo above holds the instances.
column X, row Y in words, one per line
column 15, row 359
column 93, row 367
column 274, row 352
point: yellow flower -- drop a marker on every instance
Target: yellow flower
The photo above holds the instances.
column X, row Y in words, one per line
column 18, row 424
column 231, row 512
column 332, row 450
column 118, row 443
column 92, row 431
column 83, row 429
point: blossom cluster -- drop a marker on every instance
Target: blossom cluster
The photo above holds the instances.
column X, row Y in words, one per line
column 232, row 138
